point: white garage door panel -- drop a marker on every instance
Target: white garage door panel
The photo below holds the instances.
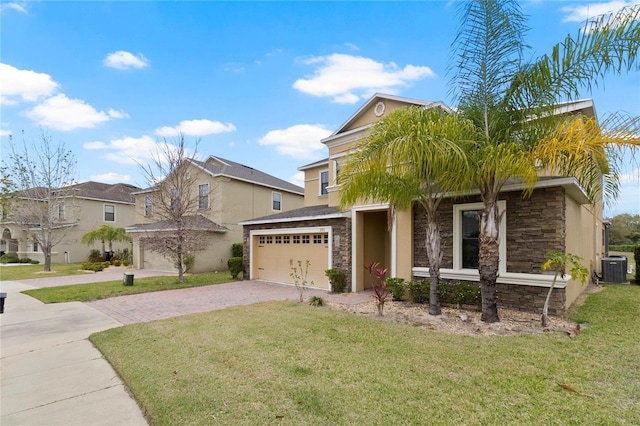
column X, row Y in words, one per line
column 275, row 262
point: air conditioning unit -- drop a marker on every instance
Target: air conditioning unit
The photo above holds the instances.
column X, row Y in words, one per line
column 614, row 269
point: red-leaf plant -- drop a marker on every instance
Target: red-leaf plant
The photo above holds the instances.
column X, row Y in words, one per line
column 380, row 289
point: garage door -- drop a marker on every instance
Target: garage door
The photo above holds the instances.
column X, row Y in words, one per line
column 275, row 256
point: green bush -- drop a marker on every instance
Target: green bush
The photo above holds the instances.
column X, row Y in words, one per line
column 126, row 262
column 316, row 301
column 235, row 266
column 397, row 287
column 419, row 291
column 117, row 262
column 188, row 262
column 9, row 258
column 460, row 294
column 636, row 254
column 34, row 262
column 25, row 260
column 236, row 250
column 95, row 266
column 337, row 279
column 625, row 248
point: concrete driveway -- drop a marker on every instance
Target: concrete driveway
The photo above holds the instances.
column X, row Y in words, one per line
column 51, row 373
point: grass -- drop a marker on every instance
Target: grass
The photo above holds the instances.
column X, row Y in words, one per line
column 102, row 290
column 290, row 363
column 23, row 271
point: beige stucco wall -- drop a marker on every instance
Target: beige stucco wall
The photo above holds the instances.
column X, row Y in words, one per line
column 312, row 195
column 583, row 238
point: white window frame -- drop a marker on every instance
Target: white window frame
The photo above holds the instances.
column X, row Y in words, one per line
column 203, row 199
column 148, row 206
column 104, row 213
column 457, row 234
column 320, row 193
column 273, row 201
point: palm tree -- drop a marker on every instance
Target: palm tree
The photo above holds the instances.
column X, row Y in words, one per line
column 514, row 106
column 105, row 233
column 411, row 155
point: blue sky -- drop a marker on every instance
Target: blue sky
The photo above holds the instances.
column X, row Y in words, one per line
column 259, row 83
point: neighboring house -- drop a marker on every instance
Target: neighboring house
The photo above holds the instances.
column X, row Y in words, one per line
column 80, row 208
column 228, row 192
column 557, row 216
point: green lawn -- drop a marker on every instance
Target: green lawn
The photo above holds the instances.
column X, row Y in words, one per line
column 290, row 363
column 95, row 291
column 23, row 272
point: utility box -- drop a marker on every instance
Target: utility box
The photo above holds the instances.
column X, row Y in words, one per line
column 127, row 279
column 614, row 269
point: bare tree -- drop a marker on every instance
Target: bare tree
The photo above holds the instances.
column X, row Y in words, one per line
column 175, row 198
column 41, row 177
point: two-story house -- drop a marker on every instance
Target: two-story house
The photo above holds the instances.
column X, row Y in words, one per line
column 557, row 216
column 225, row 193
column 78, row 209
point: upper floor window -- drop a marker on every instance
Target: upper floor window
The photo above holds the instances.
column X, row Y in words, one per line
column 148, row 206
column 276, row 201
column 324, row 182
column 60, row 211
column 203, row 196
column 109, row 213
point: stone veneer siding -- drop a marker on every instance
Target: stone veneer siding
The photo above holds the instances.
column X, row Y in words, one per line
column 535, row 226
column 341, row 230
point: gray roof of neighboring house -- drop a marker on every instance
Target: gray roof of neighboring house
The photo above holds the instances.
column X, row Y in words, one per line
column 249, row 174
column 118, row 192
column 304, row 213
column 193, row 223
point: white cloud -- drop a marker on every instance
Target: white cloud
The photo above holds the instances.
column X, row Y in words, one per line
column 18, row 7
column 117, row 114
column 95, row 145
column 5, row 132
column 61, row 113
column 352, row 46
column 347, row 78
column 110, row 177
column 123, row 60
column 297, row 179
column 24, row 85
column 301, row 141
column 587, row 11
column 195, row 128
column 129, row 150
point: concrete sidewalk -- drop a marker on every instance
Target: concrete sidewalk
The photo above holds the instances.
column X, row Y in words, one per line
column 51, row 373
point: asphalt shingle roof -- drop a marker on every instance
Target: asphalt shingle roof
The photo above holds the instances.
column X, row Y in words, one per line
column 194, row 223
column 303, row 212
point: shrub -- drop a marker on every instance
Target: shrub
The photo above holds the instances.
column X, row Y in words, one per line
column 235, row 266
column 460, row 294
column 397, row 287
column 9, row 258
column 95, row 256
column 188, row 262
column 25, row 260
column 316, row 301
column 419, row 291
column 626, row 248
column 34, row 262
column 337, row 278
column 236, row 250
column 117, row 262
column 94, row 266
column 126, row 262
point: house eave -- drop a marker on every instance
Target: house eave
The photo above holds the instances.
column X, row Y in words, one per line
column 345, row 214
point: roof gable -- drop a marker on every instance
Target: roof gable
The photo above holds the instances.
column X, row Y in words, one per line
column 378, row 106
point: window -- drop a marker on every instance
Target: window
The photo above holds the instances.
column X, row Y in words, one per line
column 35, row 245
column 60, row 212
column 203, row 196
column 276, row 198
column 175, row 200
column 466, row 231
column 278, row 239
column 470, row 242
column 324, row 182
column 109, row 213
column 148, row 206
column 269, row 239
column 305, row 239
column 317, row 239
column 261, row 240
column 296, row 239
column 286, row 239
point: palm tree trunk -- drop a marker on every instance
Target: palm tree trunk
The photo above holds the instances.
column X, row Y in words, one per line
column 435, row 256
column 489, row 259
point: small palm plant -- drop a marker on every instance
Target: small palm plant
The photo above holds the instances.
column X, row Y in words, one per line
column 558, row 262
